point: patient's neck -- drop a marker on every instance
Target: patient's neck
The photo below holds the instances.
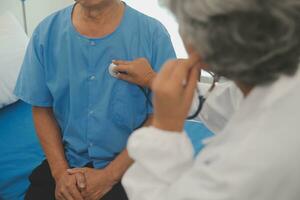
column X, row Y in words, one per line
column 107, row 15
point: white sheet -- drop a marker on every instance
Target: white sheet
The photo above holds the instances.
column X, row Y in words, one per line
column 13, row 42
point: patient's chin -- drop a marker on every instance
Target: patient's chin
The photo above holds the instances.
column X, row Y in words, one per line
column 93, row 3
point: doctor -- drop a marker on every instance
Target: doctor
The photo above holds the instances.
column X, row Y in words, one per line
column 255, row 152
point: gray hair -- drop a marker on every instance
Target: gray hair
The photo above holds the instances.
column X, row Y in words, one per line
column 250, row 41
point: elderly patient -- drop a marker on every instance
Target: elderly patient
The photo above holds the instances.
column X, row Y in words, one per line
column 255, row 153
column 83, row 115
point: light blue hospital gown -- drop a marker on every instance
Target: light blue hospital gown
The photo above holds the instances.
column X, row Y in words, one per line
column 69, row 72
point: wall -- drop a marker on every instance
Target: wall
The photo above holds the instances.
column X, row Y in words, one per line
column 36, row 9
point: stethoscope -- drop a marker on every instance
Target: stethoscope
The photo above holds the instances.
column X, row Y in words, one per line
column 201, row 98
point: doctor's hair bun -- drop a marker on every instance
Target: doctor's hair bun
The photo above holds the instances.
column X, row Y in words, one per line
column 251, row 41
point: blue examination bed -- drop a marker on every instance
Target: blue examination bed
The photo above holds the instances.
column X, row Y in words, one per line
column 20, row 151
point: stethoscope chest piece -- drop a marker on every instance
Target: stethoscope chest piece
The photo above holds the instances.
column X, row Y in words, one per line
column 112, row 71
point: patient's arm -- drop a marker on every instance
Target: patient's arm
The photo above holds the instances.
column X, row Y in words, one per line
column 49, row 134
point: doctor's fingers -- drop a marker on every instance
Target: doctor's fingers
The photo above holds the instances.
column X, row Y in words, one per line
column 162, row 80
column 189, row 90
column 167, row 70
column 182, row 70
column 127, row 77
column 123, row 68
column 178, row 69
column 121, row 62
column 173, row 76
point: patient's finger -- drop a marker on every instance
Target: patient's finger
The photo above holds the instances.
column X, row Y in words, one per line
column 76, row 170
column 74, row 192
column 66, row 195
column 59, row 197
column 80, row 180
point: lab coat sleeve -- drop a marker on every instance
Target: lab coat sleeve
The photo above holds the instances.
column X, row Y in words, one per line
column 156, row 176
column 219, row 106
column 165, row 169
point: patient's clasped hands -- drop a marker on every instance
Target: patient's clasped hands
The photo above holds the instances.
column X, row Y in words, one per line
column 84, row 184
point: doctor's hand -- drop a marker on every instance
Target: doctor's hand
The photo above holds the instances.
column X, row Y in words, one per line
column 138, row 72
column 98, row 182
column 173, row 89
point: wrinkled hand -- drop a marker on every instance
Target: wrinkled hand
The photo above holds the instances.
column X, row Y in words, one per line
column 66, row 187
column 98, row 182
column 173, row 89
column 138, row 72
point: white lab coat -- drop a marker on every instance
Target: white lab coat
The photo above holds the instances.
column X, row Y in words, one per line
column 255, row 154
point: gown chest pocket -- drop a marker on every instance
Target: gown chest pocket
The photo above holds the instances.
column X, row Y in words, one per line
column 128, row 105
